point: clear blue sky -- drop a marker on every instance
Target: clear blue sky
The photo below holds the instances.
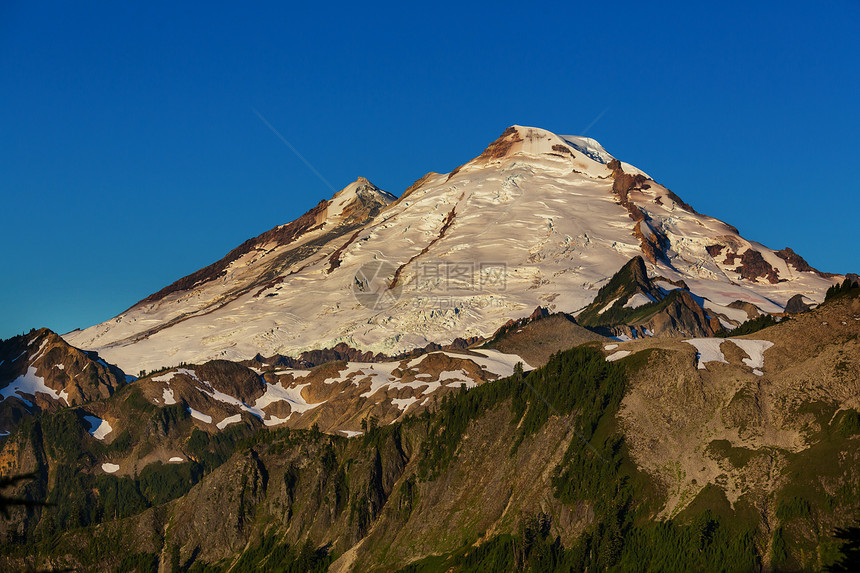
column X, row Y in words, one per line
column 130, row 154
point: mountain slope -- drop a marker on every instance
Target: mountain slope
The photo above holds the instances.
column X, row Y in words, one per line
column 39, row 372
column 537, row 219
column 656, row 454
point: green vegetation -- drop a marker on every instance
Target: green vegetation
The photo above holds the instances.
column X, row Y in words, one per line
column 571, row 379
column 596, row 471
column 139, row 563
column 577, row 390
column 848, row 558
column 160, row 483
column 271, row 555
column 752, row 325
column 847, row 288
column 70, row 484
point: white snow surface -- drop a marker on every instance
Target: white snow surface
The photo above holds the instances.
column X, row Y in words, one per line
column 608, row 305
column 110, row 468
column 167, row 396
column 28, row 383
column 618, row 355
column 235, row 419
column 98, row 428
column 709, row 351
column 197, row 415
column 536, row 227
column 176, row 459
column 404, row 403
column 638, row 300
column 754, row 349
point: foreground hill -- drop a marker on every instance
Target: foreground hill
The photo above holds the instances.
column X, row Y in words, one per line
column 536, row 220
column 654, row 454
column 40, row 372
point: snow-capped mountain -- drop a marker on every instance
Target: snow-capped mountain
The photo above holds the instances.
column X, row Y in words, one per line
column 537, row 219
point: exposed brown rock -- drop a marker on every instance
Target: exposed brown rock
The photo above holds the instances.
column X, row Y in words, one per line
column 795, row 305
column 795, row 260
column 748, row 307
column 537, row 340
column 233, row 379
column 730, row 258
column 501, row 146
column 653, row 246
column 681, row 317
column 798, row 262
column 334, row 259
column 754, row 266
column 680, row 202
column 714, row 250
column 77, row 375
column 563, row 149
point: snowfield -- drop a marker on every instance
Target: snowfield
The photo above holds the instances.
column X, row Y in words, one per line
column 709, row 351
column 618, row 355
column 535, row 225
column 98, row 428
column 28, row 384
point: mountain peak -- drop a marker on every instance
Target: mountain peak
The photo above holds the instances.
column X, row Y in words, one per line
column 359, row 196
column 524, row 140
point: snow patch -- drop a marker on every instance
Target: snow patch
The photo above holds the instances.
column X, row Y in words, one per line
column 176, row 459
column 638, row 300
column 754, row 349
column 110, row 468
column 708, row 350
column 618, row 355
column 235, row 419
column 610, row 347
column 98, row 428
column 167, row 396
column 608, row 305
column 199, row 415
column 403, row 403
column 277, row 393
column 31, row 384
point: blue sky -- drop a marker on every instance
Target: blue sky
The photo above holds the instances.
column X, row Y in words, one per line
column 130, row 153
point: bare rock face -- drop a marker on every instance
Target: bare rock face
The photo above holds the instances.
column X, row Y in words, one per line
column 753, row 266
column 799, row 263
column 684, row 317
column 675, row 314
column 40, row 371
column 681, row 317
column 233, row 379
column 795, row 305
column 748, row 307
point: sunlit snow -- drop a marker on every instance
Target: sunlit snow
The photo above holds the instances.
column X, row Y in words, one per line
column 98, row 428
